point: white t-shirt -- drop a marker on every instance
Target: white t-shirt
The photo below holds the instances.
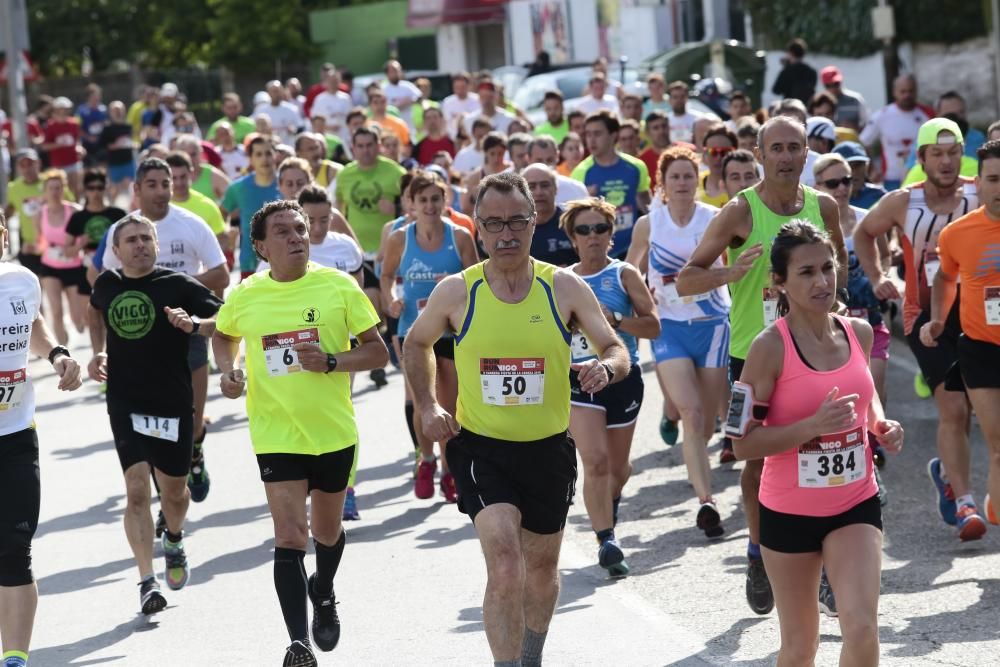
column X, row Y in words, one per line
column 20, row 300
column 452, row 107
column 400, row 92
column 186, row 243
column 568, row 189
column 285, row 120
column 499, row 121
column 334, row 107
column 468, row 158
column 897, row 131
column 589, row 105
column 682, row 127
column 234, row 162
column 337, row 251
column 808, row 177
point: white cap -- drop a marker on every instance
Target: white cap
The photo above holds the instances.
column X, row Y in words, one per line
column 169, row 90
column 821, row 127
column 261, row 98
column 62, row 103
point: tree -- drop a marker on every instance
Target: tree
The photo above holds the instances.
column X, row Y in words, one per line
column 249, row 33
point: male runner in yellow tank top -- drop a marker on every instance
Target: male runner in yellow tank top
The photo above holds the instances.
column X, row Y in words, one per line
column 514, row 466
column 746, row 226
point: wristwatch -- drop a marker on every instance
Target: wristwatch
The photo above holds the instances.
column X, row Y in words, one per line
column 618, row 317
column 195, row 326
column 331, row 363
column 57, row 350
column 610, row 371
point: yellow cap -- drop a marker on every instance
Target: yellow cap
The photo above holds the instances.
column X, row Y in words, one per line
column 929, row 131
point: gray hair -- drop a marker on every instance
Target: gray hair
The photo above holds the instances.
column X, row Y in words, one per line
column 506, row 182
column 780, row 120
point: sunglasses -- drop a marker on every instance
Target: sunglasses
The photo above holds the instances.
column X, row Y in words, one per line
column 95, row 188
column 716, row 152
column 515, row 224
column 832, row 183
column 587, row 230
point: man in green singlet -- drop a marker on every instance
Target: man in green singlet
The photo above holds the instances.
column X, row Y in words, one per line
column 745, row 227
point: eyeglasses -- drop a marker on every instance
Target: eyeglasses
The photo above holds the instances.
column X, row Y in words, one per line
column 586, row 230
column 832, row 183
column 716, row 152
column 516, row 224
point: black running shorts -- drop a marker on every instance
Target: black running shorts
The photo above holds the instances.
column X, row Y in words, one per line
column 620, row 401
column 979, row 362
column 938, row 364
column 537, row 477
column 799, row 534
column 20, row 482
column 169, row 457
column 325, row 472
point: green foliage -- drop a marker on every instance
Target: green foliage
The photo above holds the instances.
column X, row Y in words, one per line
column 248, row 33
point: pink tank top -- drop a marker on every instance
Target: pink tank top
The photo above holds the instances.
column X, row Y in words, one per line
column 832, row 473
column 55, row 238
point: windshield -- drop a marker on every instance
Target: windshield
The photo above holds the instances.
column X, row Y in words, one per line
column 532, row 90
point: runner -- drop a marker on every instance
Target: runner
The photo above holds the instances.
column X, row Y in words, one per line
column 193, row 201
column 718, row 142
column 746, row 227
column 89, row 225
column 141, row 322
column 543, row 149
column 62, row 269
column 205, row 178
column 549, row 243
column 920, row 212
column 691, row 350
column 418, row 257
column 185, row 244
column 603, row 423
column 24, row 199
column 894, row 127
column 739, row 171
column 514, row 465
column 808, row 374
column 296, row 320
column 23, row 330
column 967, row 249
column 246, row 195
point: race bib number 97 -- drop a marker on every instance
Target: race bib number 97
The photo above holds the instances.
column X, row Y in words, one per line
column 279, row 355
column 12, row 384
column 508, row 382
column 833, row 460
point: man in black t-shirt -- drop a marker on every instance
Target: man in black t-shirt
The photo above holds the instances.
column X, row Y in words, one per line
column 796, row 79
column 116, row 141
column 94, row 220
column 144, row 315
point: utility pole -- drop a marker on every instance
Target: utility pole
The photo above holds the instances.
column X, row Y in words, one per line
column 884, row 28
column 13, row 23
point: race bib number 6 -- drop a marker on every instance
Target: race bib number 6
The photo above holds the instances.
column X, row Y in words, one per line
column 279, row 356
column 12, row 384
column 833, row 460
column 508, row 382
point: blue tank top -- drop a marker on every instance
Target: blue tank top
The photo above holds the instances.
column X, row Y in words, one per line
column 607, row 286
column 421, row 270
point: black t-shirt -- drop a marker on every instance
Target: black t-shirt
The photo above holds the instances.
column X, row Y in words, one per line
column 93, row 225
column 147, row 356
column 796, row 80
column 550, row 243
column 109, row 135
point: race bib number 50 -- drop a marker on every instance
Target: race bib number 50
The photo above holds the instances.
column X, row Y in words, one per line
column 833, row 460
column 509, row 382
column 12, row 384
column 279, row 356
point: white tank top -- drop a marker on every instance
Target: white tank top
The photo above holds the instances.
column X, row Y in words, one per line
column 20, row 299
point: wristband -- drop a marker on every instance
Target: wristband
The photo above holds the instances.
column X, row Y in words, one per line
column 58, row 349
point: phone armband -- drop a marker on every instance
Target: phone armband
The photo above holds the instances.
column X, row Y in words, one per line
column 743, row 409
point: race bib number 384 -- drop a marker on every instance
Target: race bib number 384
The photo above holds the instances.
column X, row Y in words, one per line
column 833, row 460
column 508, row 382
column 279, row 355
column 12, row 384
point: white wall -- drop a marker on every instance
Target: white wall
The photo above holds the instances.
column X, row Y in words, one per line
column 966, row 68
column 583, row 29
column 639, row 30
column 519, row 31
column 451, row 52
column 864, row 75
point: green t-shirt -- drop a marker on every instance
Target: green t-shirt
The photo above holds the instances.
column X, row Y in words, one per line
column 746, row 316
column 242, row 126
column 26, row 198
column 557, row 132
column 359, row 192
column 205, row 208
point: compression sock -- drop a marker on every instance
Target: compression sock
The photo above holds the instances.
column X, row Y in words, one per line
column 327, row 562
column 408, row 409
column 531, row 648
column 753, row 550
column 290, row 583
column 172, row 538
column 507, row 663
column 602, row 536
column 15, row 659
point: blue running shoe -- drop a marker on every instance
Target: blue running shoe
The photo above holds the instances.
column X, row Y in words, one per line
column 351, row 506
column 946, row 497
column 669, row 431
column 611, row 558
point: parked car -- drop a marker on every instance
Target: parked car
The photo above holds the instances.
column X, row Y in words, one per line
column 440, row 82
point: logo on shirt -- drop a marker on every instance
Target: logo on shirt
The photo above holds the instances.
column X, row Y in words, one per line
column 365, row 195
column 534, row 319
column 131, row 315
column 310, row 315
column 17, row 305
column 177, row 247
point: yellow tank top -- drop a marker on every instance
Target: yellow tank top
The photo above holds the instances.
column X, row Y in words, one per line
column 512, row 361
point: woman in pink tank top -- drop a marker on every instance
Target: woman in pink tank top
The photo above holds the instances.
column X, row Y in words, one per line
column 818, row 496
column 62, row 271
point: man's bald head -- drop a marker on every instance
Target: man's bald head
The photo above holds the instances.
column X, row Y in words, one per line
column 541, row 181
column 904, row 91
column 784, row 122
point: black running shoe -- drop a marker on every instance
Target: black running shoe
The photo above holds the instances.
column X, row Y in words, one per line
column 326, row 623
column 827, row 602
column 161, row 525
column 378, row 377
column 299, row 654
column 709, row 520
column 151, row 600
column 759, row 595
column 198, row 480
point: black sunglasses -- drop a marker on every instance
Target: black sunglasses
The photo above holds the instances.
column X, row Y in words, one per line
column 832, row 183
column 585, row 230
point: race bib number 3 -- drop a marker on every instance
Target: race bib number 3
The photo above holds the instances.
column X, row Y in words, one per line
column 508, row 382
column 833, row 460
column 992, row 296
column 279, row 356
column 770, row 297
column 581, row 348
column 164, row 428
column 12, row 384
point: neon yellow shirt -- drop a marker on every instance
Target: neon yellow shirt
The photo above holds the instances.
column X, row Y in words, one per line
column 204, row 208
column 293, row 411
column 26, row 198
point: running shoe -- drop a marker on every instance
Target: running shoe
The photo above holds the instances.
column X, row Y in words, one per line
column 448, row 489
column 709, row 520
column 299, row 654
column 198, row 480
column 326, row 623
column 378, row 377
column 991, row 514
column 424, row 486
column 970, row 525
column 920, row 387
column 611, row 558
column 351, row 505
column 161, row 525
column 726, row 454
column 151, row 600
column 827, row 603
column 759, row 594
column 883, row 493
column 945, row 494
column 669, row 431
column 177, row 571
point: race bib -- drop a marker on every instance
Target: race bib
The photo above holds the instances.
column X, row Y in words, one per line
column 164, row 428
column 508, row 382
column 55, row 254
column 858, row 312
column 624, row 218
column 992, row 296
column 279, row 356
column 770, row 297
column 668, row 292
column 12, row 385
column 833, row 460
column 931, row 265
column 581, row 348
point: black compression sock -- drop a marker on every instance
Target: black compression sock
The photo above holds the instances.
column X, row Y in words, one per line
column 174, row 539
column 290, row 583
column 408, row 409
column 327, row 562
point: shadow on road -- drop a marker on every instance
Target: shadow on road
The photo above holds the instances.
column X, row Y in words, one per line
column 66, row 655
column 105, row 512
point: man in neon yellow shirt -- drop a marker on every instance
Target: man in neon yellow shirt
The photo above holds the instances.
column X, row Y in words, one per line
column 297, row 319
